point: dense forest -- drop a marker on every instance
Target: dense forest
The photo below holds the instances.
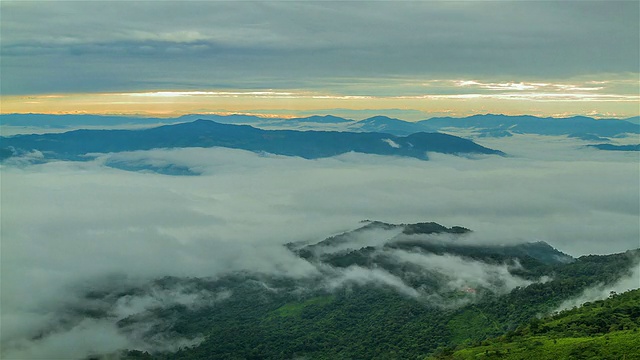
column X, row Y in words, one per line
column 604, row 329
column 276, row 317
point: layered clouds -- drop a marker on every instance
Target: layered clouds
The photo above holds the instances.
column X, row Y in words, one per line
column 465, row 57
column 298, row 42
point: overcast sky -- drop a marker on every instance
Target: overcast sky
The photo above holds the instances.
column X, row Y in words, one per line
column 333, row 48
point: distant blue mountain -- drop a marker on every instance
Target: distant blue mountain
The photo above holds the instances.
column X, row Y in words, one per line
column 79, row 120
column 578, row 126
column 588, row 137
column 389, row 125
column 634, row 120
column 205, row 133
column 75, row 120
column 483, row 125
column 612, row 147
column 326, row 119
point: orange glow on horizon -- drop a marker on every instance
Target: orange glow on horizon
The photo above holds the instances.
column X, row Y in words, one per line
column 291, row 103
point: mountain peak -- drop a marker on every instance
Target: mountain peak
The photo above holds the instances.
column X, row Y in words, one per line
column 322, row 119
column 381, row 118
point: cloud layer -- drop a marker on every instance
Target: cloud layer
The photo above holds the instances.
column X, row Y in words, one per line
column 70, row 223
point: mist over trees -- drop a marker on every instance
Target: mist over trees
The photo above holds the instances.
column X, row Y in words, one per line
column 217, row 251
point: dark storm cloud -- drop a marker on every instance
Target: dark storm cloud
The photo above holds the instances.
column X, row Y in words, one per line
column 98, row 46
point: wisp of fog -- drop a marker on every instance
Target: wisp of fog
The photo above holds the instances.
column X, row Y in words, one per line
column 68, row 224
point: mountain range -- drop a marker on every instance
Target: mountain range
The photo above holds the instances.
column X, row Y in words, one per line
column 480, row 125
column 206, row 133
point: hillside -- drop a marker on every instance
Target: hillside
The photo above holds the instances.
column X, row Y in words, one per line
column 604, row 329
column 371, row 298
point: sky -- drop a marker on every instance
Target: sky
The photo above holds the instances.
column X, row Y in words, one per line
column 413, row 60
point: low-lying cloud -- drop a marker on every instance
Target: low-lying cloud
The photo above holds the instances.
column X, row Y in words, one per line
column 463, row 273
column 68, row 223
column 629, row 282
column 362, row 276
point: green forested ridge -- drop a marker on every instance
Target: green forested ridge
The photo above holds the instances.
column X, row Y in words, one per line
column 269, row 317
column 605, row 329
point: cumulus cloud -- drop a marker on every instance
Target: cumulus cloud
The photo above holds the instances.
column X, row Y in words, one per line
column 68, row 223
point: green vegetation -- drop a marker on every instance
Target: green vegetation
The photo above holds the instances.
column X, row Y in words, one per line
column 367, row 303
column 297, row 308
column 469, row 323
column 606, row 329
column 377, row 322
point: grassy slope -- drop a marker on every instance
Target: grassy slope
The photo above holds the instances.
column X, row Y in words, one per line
column 616, row 345
column 607, row 329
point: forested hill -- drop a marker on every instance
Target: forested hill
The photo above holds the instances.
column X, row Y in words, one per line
column 373, row 298
column 604, row 329
column 205, row 133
